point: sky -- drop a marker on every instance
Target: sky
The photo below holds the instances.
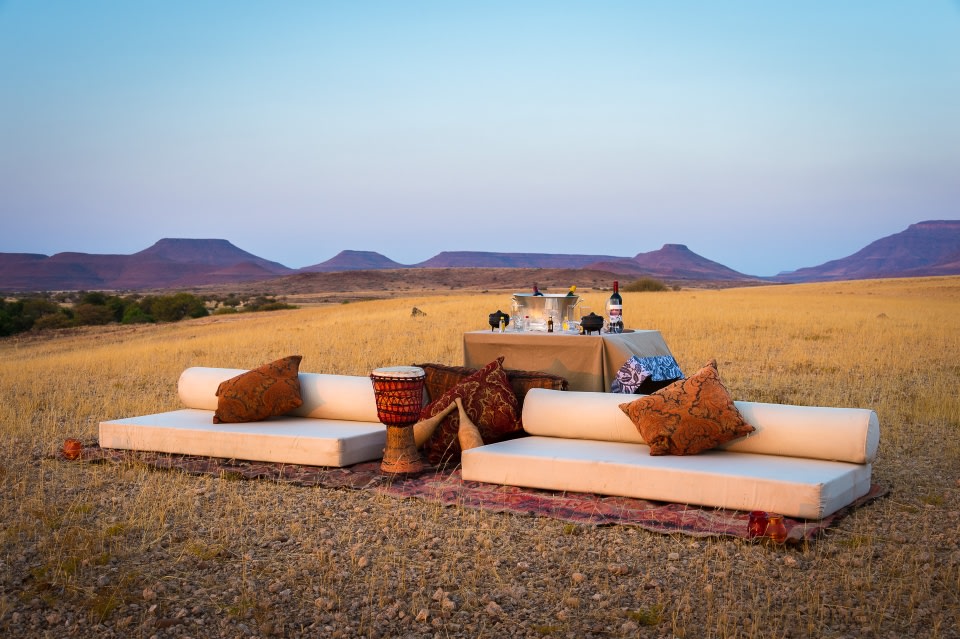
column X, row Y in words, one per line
column 766, row 136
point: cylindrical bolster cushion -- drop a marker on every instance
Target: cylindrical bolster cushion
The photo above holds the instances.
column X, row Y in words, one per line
column 836, row 434
column 345, row 397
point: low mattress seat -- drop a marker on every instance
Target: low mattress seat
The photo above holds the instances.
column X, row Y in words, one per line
column 337, row 424
column 802, row 461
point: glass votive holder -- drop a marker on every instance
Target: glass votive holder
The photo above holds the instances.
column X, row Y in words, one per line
column 757, row 526
column 776, row 529
column 72, row 448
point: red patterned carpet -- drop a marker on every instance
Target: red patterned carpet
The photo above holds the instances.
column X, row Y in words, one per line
column 449, row 488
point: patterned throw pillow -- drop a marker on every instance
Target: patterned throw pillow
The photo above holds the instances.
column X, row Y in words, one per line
column 646, row 374
column 441, row 378
column 629, row 377
column 272, row 389
column 689, row 416
column 488, row 400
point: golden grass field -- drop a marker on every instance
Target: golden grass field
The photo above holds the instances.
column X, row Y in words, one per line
column 113, row 550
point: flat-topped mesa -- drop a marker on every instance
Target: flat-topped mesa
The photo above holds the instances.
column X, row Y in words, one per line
column 936, row 225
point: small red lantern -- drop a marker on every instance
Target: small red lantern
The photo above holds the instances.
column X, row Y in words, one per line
column 72, row 448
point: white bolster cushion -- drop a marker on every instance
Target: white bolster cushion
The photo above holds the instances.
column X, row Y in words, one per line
column 814, row 432
column 345, row 397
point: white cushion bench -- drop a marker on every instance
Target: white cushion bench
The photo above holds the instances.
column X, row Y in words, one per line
column 337, row 424
column 802, row 461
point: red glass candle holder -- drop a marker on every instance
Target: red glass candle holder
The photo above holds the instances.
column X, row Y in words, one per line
column 72, row 448
column 757, row 526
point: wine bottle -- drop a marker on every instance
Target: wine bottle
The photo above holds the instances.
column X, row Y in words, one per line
column 536, row 291
column 572, row 291
column 615, row 310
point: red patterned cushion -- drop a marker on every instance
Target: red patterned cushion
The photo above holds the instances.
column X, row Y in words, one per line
column 441, row 378
column 488, row 400
column 688, row 416
column 272, row 389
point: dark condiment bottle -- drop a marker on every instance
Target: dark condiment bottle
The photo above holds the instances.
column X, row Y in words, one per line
column 550, row 325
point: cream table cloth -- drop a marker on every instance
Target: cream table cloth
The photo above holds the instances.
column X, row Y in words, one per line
column 588, row 362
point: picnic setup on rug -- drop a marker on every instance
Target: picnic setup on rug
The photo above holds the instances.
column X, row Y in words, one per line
column 544, row 418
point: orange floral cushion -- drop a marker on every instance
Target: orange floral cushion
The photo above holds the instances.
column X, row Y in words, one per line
column 272, row 389
column 489, row 402
column 688, row 416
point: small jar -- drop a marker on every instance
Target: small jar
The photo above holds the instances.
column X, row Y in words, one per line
column 757, row 526
column 776, row 529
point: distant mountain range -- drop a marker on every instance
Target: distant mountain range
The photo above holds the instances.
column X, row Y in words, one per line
column 925, row 248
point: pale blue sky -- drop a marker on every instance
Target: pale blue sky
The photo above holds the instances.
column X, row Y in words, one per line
column 766, row 136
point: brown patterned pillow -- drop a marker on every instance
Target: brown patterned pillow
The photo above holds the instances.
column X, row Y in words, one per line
column 272, row 389
column 441, row 378
column 489, row 401
column 688, row 416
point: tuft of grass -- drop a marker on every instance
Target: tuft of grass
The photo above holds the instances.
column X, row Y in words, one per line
column 547, row 630
column 204, row 551
column 933, row 499
column 648, row 615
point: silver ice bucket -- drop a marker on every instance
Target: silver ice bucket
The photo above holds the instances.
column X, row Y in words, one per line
column 542, row 307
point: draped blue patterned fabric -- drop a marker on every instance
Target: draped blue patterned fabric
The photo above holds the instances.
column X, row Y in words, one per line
column 636, row 370
column 661, row 367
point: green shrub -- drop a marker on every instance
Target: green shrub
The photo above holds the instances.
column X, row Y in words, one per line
column 93, row 314
column 226, row 310
column 173, row 308
column 646, row 285
column 134, row 314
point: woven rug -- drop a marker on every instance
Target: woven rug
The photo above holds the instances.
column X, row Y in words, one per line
column 450, row 489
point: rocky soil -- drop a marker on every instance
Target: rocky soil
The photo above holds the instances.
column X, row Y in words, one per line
column 131, row 552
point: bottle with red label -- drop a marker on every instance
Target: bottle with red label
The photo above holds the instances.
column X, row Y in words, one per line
column 615, row 310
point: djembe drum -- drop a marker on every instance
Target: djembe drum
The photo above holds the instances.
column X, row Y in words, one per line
column 399, row 394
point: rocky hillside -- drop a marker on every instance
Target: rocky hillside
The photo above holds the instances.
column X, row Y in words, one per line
column 925, row 248
column 170, row 263
column 353, row 261
column 672, row 262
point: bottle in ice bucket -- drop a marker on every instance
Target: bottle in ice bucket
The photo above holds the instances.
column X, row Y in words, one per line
column 615, row 310
column 536, row 291
column 572, row 291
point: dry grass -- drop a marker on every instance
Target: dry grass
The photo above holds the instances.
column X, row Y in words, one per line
column 122, row 550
